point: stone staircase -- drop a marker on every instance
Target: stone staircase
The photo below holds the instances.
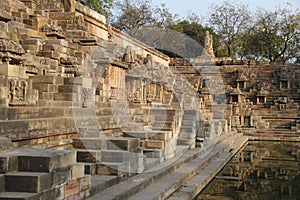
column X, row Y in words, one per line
column 296, row 126
column 42, row 174
column 118, row 156
column 161, row 181
column 188, row 129
column 158, row 137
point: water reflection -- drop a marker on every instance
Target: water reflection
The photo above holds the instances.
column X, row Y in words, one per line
column 261, row 170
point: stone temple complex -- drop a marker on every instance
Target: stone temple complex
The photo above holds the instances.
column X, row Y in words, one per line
column 85, row 108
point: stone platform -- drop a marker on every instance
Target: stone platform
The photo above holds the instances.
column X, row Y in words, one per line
column 42, row 174
column 162, row 180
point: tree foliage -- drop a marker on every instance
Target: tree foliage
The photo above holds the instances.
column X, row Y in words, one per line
column 237, row 33
column 274, row 36
column 229, row 21
column 164, row 18
column 101, row 6
column 134, row 14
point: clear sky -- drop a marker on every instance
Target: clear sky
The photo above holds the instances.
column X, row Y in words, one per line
column 201, row 7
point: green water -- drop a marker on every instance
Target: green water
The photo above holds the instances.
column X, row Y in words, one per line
column 260, row 171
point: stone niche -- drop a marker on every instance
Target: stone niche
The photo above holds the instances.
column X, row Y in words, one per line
column 261, row 99
column 235, row 96
column 284, row 84
column 241, row 84
column 246, row 121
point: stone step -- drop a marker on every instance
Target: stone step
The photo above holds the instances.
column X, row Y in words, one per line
column 123, row 143
column 154, row 153
column 138, row 183
column 89, row 143
column 155, row 144
column 42, row 160
column 190, row 143
column 101, row 183
column 117, row 169
column 152, row 163
column 19, row 196
column 61, row 144
column 163, row 124
column 82, row 81
column 190, row 112
column 69, row 89
column 34, row 128
column 198, row 182
column 162, row 128
column 27, row 182
column 183, row 135
column 67, row 97
column 44, row 87
column 136, row 161
column 187, row 129
column 89, row 156
column 119, row 156
column 164, row 187
column 111, row 143
column 52, row 80
column 8, row 163
column 189, row 117
column 151, row 135
column 56, row 104
column 190, row 123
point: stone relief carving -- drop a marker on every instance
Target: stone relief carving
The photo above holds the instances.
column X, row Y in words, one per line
column 263, row 89
column 11, row 46
column 52, row 30
column 86, row 97
column 208, row 40
column 18, row 91
column 129, row 56
column 149, row 62
column 110, row 31
column 208, row 44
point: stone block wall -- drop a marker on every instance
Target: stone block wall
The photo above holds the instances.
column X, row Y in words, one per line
column 262, row 97
column 67, row 74
column 57, row 56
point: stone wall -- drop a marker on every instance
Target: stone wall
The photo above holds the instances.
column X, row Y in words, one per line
column 70, row 81
column 259, row 97
column 263, row 97
column 66, row 73
column 55, row 56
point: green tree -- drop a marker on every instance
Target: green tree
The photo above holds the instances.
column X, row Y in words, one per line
column 229, row 21
column 192, row 28
column 274, row 36
column 134, row 14
column 101, row 6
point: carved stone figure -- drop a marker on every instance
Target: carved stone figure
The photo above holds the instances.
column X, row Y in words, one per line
column 11, row 46
column 208, row 45
column 17, row 91
column 208, row 40
column 86, row 97
column 149, row 62
column 12, row 90
column 129, row 56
